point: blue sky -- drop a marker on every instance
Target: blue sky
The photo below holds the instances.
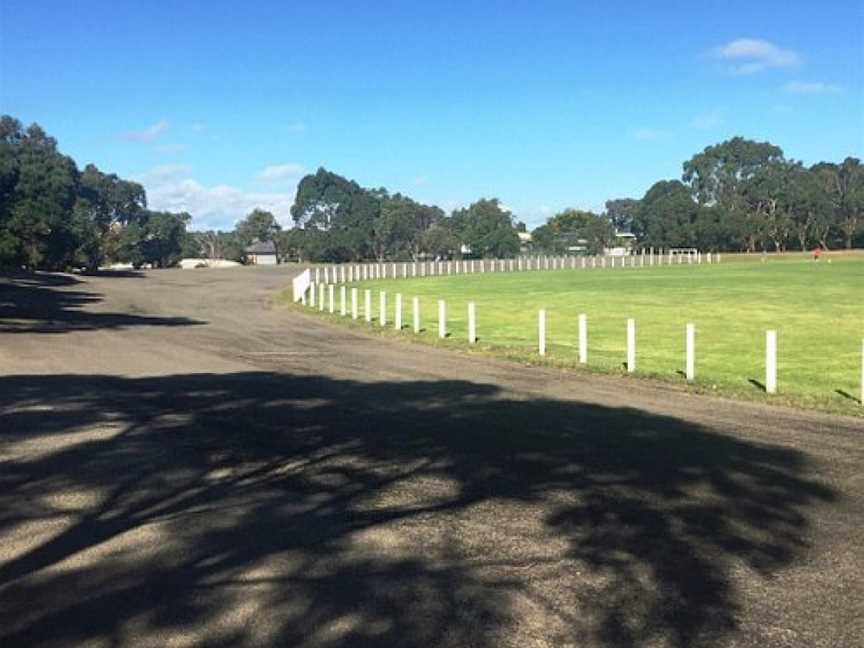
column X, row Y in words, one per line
column 219, row 107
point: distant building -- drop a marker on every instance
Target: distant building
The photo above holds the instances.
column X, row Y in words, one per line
column 623, row 246
column 262, row 253
column 525, row 242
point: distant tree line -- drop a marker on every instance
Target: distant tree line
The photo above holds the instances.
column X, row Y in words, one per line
column 336, row 220
column 55, row 216
column 738, row 195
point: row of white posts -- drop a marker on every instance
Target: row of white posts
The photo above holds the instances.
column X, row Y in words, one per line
column 582, row 345
column 348, row 273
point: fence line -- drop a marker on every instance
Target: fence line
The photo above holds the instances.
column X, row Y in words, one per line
column 353, row 272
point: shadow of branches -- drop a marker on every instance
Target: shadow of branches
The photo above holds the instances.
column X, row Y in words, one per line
column 50, row 303
column 260, row 507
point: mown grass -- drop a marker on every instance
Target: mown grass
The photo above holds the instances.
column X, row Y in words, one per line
column 816, row 308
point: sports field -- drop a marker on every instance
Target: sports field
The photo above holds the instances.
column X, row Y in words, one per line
column 817, row 310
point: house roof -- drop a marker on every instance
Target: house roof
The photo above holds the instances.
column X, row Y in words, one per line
column 261, row 247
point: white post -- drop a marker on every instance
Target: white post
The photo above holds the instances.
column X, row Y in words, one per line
column 442, row 316
column 690, row 360
column 472, row 323
column 415, row 306
column 367, row 305
column 541, row 332
column 583, row 339
column 330, row 296
column 771, row 362
column 354, row 303
column 342, row 305
column 382, row 308
column 312, row 292
column 631, row 345
column 321, row 297
column 397, row 315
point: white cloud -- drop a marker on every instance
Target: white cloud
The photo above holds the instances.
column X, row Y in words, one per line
column 648, row 134
column 281, row 172
column 164, row 172
column 296, row 127
column 751, row 55
column 811, row 88
column 169, row 149
column 148, row 134
column 171, row 187
column 708, row 119
column 199, row 127
column 420, row 181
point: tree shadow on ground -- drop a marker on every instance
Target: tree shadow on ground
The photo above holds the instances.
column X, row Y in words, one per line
column 50, row 303
column 261, row 507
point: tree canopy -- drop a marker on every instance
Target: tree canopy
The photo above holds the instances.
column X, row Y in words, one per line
column 735, row 195
column 54, row 216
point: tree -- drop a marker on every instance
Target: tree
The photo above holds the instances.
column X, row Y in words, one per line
column 342, row 209
column 599, row 233
column 716, row 175
column 393, row 230
column 36, row 223
column 440, row 240
column 719, row 174
column 809, row 203
column 51, row 215
column 620, row 213
column 104, row 200
column 259, row 225
column 666, row 216
column 291, row 244
column 156, row 238
column 487, row 229
column 844, row 186
column 546, row 239
column 574, row 228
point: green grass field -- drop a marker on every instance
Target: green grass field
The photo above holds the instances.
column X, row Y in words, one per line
column 816, row 308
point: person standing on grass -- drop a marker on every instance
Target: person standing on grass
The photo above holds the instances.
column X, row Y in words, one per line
column 817, row 252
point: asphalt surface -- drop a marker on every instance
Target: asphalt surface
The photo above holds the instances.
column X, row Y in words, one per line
column 182, row 463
